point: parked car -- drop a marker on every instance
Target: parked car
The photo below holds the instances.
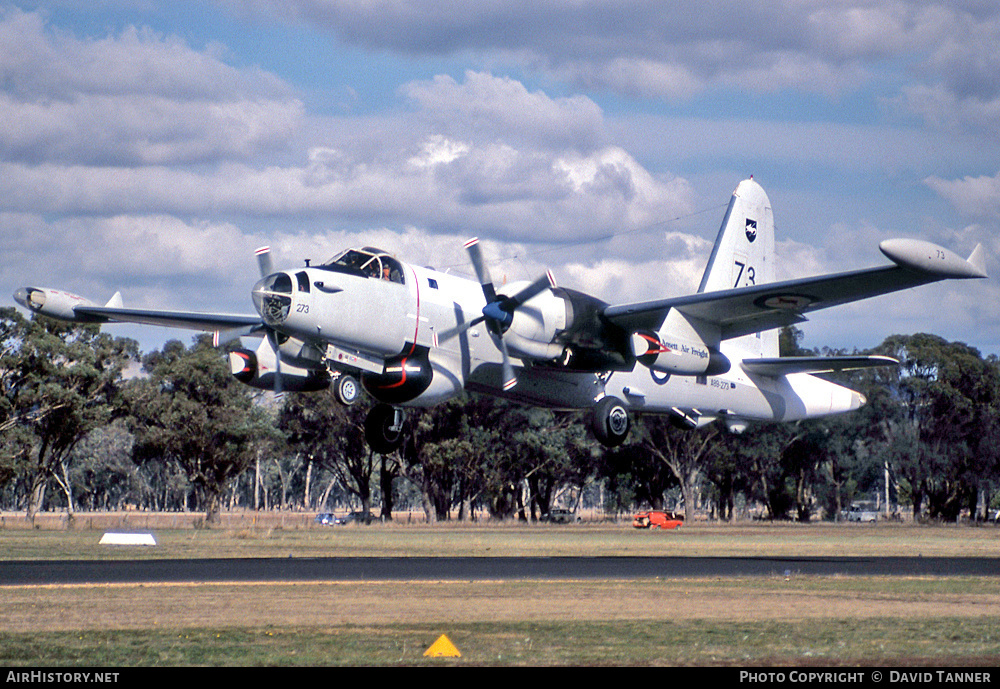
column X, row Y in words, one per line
column 860, row 514
column 359, row 518
column 656, row 519
column 560, row 516
column 331, row 519
column 328, row 519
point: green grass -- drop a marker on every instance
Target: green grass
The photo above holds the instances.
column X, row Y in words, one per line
column 296, row 536
column 822, row 621
column 946, row 641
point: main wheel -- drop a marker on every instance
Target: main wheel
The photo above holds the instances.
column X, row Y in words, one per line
column 383, row 435
column 609, row 421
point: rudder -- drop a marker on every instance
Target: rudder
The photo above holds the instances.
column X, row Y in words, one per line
column 744, row 255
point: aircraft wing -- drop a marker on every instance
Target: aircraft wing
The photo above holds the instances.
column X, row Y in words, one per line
column 173, row 319
column 814, row 364
column 66, row 306
column 752, row 309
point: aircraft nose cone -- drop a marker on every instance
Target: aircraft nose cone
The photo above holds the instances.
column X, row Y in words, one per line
column 272, row 297
column 21, row 296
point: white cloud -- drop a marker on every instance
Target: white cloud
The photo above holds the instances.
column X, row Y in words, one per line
column 974, row 196
column 652, row 49
column 132, row 98
column 486, row 156
column 438, row 150
column 485, row 105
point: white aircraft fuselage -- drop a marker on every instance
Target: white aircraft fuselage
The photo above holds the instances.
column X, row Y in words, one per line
column 354, row 316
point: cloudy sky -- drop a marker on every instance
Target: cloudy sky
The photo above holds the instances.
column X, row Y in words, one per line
column 152, row 146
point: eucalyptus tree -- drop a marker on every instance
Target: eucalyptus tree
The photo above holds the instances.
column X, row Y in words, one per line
column 189, row 409
column 58, row 382
column 102, row 474
column 332, row 436
column 940, row 429
column 683, row 451
column 557, row 453
column 458, row 455
column 635, row 476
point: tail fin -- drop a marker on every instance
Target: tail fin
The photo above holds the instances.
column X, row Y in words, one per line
column 743, row 255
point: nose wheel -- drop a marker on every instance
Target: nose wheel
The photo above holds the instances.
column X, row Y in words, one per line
column 346, row 389
column 385, row 429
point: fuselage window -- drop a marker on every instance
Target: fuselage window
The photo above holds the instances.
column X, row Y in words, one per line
column 303, row 281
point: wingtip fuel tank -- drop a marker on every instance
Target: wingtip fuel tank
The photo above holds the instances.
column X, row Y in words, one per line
column 55, row 303
column 927, row 257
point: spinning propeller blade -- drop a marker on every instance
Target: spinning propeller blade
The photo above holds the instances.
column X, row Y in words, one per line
column 509, row 379
column 264, row 261
column 499, row 310
column 267, row 268
column 482, row 272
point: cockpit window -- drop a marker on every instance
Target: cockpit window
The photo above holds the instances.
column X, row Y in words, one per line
column 367, row 262
column 302, row 279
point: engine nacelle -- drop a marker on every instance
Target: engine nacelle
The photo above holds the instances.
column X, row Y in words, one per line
column 679, row 356
column 248, row 368
column 564, row 329
column 537, row 323
column 298, row 353
column 404, row 377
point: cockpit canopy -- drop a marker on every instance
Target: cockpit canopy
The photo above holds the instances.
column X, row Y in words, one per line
column 366, row 262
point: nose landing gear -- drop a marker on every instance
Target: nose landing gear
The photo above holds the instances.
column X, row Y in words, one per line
column 347, row 389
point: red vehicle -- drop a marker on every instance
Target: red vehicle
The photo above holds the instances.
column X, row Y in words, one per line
column 655, row 519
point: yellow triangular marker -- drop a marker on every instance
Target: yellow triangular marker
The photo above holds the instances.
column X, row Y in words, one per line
column 442, row 647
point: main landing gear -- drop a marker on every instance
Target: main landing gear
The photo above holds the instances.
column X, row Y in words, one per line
column 385, row 428
column 610, row 422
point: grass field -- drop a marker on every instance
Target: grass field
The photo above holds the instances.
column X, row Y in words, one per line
column 737, row 621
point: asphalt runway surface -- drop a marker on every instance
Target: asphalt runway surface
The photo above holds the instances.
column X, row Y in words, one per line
column 293, row 569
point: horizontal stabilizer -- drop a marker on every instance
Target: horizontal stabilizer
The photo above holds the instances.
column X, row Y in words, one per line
column 814, row 364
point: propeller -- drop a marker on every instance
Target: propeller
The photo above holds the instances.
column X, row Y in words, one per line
column 498, row 313
column 266, row 268
column 278, row 392
column 264, row 260
column 224, row 337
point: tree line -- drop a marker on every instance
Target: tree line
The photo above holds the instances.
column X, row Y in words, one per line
column 88, row 422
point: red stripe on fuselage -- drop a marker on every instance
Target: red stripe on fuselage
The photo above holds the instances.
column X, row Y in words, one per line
column 413, row 345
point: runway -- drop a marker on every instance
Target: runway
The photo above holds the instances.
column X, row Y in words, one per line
column 40, row 572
